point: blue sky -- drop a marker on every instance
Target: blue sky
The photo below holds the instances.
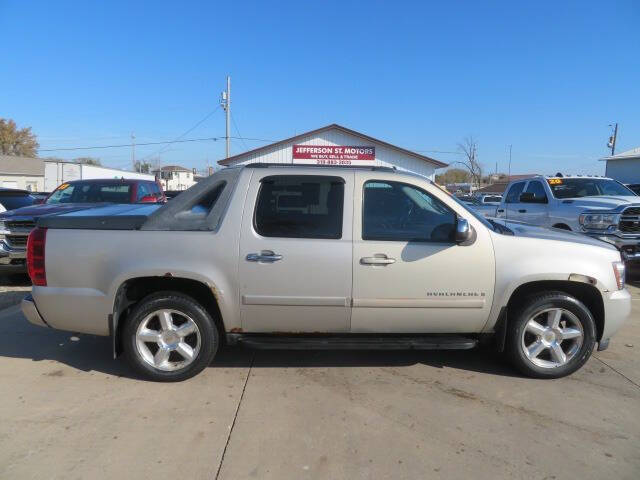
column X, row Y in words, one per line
column 546, row 76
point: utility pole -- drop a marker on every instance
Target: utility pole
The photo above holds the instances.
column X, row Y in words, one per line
column 133, row 151
column 225, row 102
column 612, row 140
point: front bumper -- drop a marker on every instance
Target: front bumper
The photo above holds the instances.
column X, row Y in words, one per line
column 617, row 308
column 12, row 259
column 30, row 311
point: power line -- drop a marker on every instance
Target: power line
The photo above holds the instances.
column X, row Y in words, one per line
column 233, row 119
column 204, row 119
column 129, row 144
column 437, row 151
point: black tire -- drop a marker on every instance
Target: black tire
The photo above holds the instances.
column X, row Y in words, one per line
column 209, row 338
column 517, row 323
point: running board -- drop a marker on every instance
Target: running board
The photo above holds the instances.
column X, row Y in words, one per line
column 293, row 342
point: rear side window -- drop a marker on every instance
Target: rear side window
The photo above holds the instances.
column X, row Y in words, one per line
column 143, row 191
column 300, row 206
column 514, row 193
column 537, row 189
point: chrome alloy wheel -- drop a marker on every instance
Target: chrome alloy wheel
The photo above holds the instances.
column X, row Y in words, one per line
column 168, row 340
column 552, row 337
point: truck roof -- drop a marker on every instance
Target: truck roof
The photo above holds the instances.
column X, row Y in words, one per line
column 110, row 180
column 304, row 165
column 573, row 176
column 328, row 168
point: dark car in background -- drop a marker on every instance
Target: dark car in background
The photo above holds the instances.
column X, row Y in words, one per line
column 11, row 198
column 24, row 210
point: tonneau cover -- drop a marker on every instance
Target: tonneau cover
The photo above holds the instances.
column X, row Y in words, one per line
column 109, row 217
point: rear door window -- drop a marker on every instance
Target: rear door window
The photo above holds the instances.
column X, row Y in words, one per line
column 300, row 206
column 513, row 196
column 537, row 189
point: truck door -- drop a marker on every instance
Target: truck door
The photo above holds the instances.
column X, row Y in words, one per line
column 408, row 274
column 295, row 253
column 514, row 209
column 536, row 210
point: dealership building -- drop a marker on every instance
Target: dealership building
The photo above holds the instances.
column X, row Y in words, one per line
column 337, row 145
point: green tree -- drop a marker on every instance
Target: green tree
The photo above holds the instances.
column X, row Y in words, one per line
column 142, row 167
column 88, row 161
column 19, row 142
column 453, row 175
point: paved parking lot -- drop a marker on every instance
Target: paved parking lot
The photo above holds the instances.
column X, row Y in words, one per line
column 68, row 411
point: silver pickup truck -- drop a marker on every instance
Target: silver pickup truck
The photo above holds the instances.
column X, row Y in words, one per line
column 300, row 257
column 596, row 206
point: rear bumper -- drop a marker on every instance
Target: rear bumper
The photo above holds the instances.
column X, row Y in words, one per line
column 30, row 311
column 617, row 308
column 82, row 310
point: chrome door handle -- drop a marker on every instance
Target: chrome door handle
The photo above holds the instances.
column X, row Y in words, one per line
column 266, row 256
column 377, row 259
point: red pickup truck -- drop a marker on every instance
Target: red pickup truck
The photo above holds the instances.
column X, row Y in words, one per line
column 15, row 225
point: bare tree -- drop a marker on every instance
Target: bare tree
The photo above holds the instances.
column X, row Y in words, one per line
column 469, row 147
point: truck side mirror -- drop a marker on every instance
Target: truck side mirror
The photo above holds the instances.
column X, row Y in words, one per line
column 463, row 231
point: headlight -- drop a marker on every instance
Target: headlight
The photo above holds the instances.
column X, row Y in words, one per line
column 618, row 272
column 598, row 221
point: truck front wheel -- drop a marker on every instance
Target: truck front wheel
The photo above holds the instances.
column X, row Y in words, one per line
column 551, row 335
column 169, row 337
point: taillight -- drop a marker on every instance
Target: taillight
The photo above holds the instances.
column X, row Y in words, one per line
column 35, row 256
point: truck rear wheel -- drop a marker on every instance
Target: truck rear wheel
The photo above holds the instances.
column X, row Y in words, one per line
column 551, row 335
column 169, row 337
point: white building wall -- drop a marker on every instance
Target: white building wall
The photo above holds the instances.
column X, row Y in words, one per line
column 625, row 171
column 92, row 171
column 33, row 183
column 385, row 156
column 56, row 173
column 180, row 180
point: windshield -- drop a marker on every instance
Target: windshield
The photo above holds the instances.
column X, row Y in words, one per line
column 91, row 192
column 586, row 187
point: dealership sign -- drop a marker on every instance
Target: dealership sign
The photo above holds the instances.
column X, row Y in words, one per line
column 334, row 154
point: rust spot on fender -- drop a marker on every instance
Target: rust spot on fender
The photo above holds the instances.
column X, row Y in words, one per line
column 236, row 330
column 214, row 290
